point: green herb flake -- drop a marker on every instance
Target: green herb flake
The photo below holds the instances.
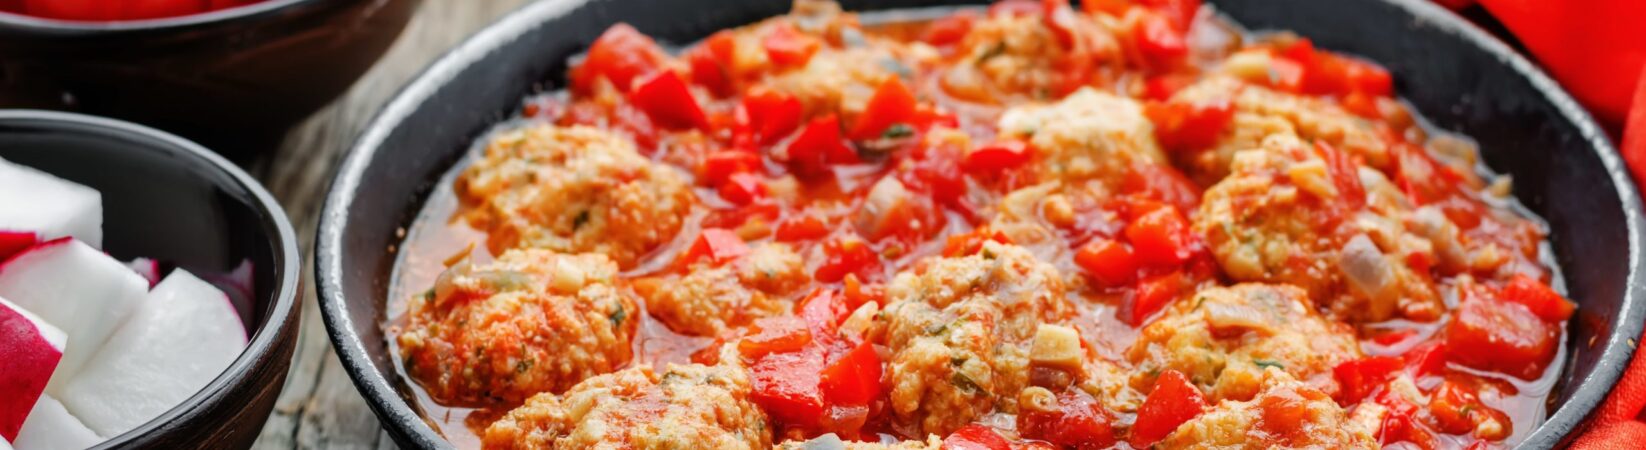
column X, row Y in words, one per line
column 1264, row 363
column 618, row 316
column 898, row 131
column 581, row 219
column 965, row 383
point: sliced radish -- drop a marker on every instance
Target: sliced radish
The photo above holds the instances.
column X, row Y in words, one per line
column 181, row 338
column 77, row 288
column 36, row 202
column 147, row 268
column 51, row 427
column 31, row 349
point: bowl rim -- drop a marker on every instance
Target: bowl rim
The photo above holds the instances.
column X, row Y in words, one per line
column 402, row 420
column 15, row 22
column 288, row 270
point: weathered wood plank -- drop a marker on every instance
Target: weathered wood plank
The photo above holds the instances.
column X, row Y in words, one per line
column 319, row 407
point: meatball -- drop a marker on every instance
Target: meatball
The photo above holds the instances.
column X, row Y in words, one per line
column 1224, row 338
column 532, row 321
column 687, row 407
column 1260, row 112
column 1088, row 135
column 709, row 299
column 573, row 189
column 1301, row 214
column 1285, row 415
column 1015, row 56
column 828, row 441
column 959, row 330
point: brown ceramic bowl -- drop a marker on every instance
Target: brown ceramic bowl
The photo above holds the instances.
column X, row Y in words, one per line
column 234, row 80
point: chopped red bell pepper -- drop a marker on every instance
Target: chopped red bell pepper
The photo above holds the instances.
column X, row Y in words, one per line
column 891, row 105
column 1161, row 183
column 1160, row 237
column 743, row 188
column 1173, row 401
column 823, row 311
column 1161, row 87
column 666, row 99
column 966, row 244
column 997, row 157
column 1399, row 425
column 771, row 115
column 718, row 244
column 1457, row 409
column 854, row 379
column 1014, row 8
column 1153, row 294
column 786, row 385
column 1159, row 42
column 621, row 54
column 1361, row 376
column 710, row 63
column 777, row 334
column 975, row 437
column 719, row 166
column 1078, row 421
column 1108, row 262
column 1183, row 126
column 1427, row 359
column 950, row 29
column 787, row 46
column 801, row 227
column 819, row 146
column 1538, row 298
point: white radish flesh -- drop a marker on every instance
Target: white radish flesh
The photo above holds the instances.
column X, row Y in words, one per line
column 51, row 207
column 77, row 288
column 31, row 350
column 51, row 427
column 147, row 268
column 184, row 335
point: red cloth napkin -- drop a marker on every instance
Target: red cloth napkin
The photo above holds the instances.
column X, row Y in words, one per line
column 1618, row 424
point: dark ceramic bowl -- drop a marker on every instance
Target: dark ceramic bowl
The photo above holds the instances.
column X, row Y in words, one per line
column 1457, row 75
column 234, row 79
column 168, row 199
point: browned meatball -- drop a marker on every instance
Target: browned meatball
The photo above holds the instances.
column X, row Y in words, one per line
column 710, row 300
column 959, row 331
column 1088, row 135
column 532, row 321
column 573, row 189
column 1225, row 338
column 686, row 407
column 1260, row 112
column 1286, row 414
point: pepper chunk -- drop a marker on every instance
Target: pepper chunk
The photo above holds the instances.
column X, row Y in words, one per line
column 1174, row 401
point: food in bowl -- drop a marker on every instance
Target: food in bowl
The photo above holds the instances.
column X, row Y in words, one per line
column 115, row 10
column 1030, row 226
column 92, row 351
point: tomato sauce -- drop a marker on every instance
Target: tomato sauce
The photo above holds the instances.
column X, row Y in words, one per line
column 810, row 169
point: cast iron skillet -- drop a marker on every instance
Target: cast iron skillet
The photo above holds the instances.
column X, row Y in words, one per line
column 1455, row 74
column 176, row 202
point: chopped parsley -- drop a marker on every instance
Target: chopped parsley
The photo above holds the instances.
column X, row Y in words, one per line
column 1267, row 363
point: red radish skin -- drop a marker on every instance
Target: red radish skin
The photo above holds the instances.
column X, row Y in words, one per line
column 14, row 242
column 31, row 349
column 79, row 289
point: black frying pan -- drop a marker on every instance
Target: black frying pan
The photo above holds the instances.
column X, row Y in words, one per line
column 1457, row 75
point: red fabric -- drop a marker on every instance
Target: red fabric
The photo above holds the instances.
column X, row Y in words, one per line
column 1593, row 47
column 1618, row 423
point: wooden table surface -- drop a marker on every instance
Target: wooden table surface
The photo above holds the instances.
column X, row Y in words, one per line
column 319, row 408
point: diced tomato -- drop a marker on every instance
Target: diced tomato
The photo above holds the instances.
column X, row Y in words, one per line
column 786, row 45
column 1173, row 401
column 854, row 379
column 777, row 334
column 1457, row 409
column 1159, row 42
column 718, row 244
column 818, row 146
column 823, row 311
column 621, row 54
column 1538, row 298
column 966, row 244
column 13, row 242
column 975, row 437
column 1115, row 8
column 1153, row 293
column 1110, row 263
column 1161, row 183
column 848, row 255
column 997, row 157
column 1361, row 376
column 743, row 188
column 1326, row 73
column 1183, row 126
column 892, row 104
column 1161, row 87
column 1077, row 422
column 1180, row 12
column 771, row 115
column 710, row 63
column 801, row 227
column 1160, row 237
column 665, row 98
column 949, row 29
column 719, row 166
column 786, row 386
column 1426, row 359
column 1500, row 336
column 1399, row 426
